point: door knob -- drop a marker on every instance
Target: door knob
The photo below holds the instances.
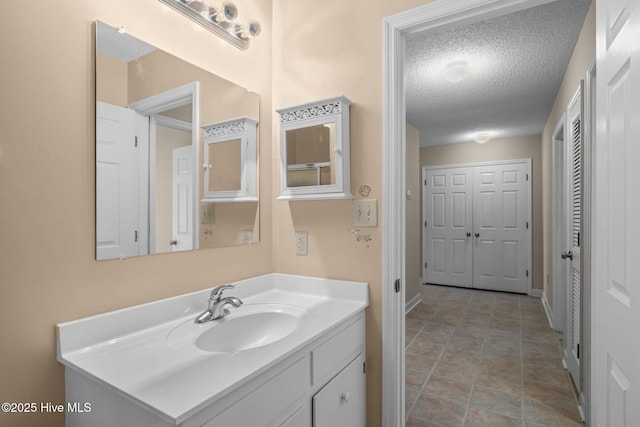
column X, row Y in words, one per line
column 566, row 255
column 477, row 234
column 468, row 234
column 173, row 242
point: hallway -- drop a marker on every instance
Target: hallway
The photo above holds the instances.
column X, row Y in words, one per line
column 481, row 358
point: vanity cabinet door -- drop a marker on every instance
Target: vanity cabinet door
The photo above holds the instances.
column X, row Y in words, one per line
column 341, row 402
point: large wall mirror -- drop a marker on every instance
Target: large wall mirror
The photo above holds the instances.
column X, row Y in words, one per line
column 150, row 106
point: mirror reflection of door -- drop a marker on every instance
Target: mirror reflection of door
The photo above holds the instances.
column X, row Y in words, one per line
column 168, row 171
column 225, row 163
column 311, row 155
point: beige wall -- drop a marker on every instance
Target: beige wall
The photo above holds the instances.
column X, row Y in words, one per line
column 47, row 178
column 576, row 71
column 501, row 149
column 112, row 81
column 322, row 51
column 413, row 214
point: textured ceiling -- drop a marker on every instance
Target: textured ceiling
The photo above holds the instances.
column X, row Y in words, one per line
column 120, row 46
column 516, row 64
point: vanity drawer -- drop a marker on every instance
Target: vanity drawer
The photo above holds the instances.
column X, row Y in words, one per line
column 332, row 355
column 341, row 402
column 268, row 400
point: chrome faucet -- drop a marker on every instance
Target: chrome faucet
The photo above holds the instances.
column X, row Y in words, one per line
column 216, row 309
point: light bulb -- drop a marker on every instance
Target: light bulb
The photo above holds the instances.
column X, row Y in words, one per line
column 482, row 137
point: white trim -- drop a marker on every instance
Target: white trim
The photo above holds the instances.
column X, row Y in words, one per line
column 547, row 310
column 488, row 163
column 412, row 303
column 558, row 225
column 437, row 16
column 536, row 293
column 588, row 162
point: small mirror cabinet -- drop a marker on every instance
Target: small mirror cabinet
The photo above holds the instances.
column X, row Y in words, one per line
column 230, row 170
column 314, row 150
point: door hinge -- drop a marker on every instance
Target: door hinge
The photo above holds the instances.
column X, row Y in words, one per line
column 527, row 225
column 527, row 177
column 578, row 239
column 364, row 367
column 397, row 285
column 136, row 141
column 527, row 273
column 425, row 182
column 425, row 223
column 578, row 351
column 135, row 236
column 425, row 265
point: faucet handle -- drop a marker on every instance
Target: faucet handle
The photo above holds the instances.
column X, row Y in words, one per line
column 216, row 293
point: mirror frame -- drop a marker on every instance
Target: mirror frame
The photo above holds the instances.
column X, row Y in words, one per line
column 244, row 129
column 332, row 110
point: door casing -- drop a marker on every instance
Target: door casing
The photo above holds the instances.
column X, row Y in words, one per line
column 432, row 17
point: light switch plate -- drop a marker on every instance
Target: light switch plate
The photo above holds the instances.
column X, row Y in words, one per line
column 208, row 213
column 301, row 242
column 365, row 213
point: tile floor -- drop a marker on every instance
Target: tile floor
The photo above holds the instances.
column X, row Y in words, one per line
column 481, row 358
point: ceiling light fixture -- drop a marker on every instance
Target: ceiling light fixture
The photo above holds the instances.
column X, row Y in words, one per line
column 220, row 20
column 482, row 137
column 456, row 71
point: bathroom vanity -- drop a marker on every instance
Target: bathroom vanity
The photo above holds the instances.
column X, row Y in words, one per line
column 292, row 355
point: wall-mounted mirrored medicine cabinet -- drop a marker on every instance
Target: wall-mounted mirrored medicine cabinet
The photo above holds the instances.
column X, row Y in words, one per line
column 314, row 150
column 230, row 161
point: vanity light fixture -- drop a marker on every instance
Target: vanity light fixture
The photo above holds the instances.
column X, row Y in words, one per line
column 220, row 20
column 482, row 137
column 456, row 71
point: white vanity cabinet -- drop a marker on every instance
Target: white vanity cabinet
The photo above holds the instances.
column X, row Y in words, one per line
column 322, row 385
column 145, row 365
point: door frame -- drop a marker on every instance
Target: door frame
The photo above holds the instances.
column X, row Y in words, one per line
column 432, row 17
column 559, row 268
column 152, row 106
column 529, row 201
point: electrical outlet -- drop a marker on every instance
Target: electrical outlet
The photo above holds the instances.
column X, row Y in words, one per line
column 301, row 242
column 365, row 213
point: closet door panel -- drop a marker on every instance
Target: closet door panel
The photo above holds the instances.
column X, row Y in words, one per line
column 447, row 221
column 500, row 233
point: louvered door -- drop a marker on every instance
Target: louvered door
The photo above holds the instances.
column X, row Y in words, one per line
column 574, row 290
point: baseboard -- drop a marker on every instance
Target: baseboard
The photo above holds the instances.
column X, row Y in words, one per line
column 547, row 310
column 581, row 406
column 536, row 293
column 412, row 303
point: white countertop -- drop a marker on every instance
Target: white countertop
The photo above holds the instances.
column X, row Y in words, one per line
column 127, row 350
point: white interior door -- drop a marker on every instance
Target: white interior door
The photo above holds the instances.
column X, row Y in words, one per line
column 500, row 224
column 616, row 285
column 573, row 333
column 447, row 226
column 117, row 164
column 182, row 218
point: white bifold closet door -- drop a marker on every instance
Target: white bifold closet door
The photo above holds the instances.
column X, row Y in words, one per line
column 448, row 226
column 476, row 226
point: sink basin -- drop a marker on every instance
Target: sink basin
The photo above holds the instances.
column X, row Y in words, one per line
column 247, row 327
